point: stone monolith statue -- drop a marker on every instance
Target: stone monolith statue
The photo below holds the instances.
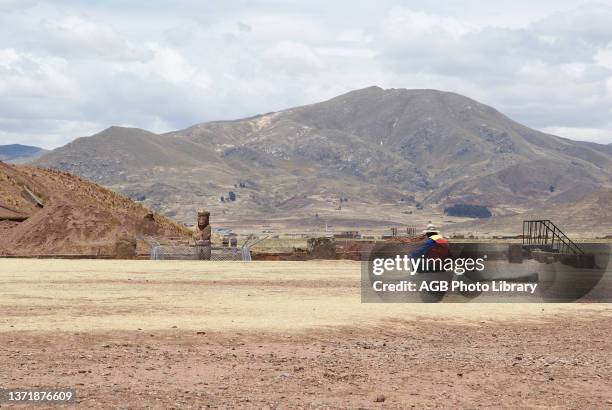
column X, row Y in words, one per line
column 202, row 235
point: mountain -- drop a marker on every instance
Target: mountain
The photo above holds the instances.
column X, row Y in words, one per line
column 372, row 147
column 598, row 147
column 588, row 217
column 52, row 212
column 17, row 153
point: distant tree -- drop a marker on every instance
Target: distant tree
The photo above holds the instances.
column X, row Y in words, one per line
column 468, row 210
column 222, row 199
column 551, row 188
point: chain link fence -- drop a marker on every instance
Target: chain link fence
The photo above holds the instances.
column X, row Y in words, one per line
column 188, row 252
column 183, row 252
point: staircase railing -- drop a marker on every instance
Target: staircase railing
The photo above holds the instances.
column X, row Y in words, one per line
column 544, row 234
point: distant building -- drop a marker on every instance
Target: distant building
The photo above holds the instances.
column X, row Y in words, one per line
column 348, row 235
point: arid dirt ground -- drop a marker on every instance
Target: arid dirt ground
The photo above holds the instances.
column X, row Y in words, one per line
column 166, row 334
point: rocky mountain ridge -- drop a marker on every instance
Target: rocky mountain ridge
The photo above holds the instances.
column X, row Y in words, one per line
column 370, row 147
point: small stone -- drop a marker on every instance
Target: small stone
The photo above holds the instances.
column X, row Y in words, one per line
column 380, row 399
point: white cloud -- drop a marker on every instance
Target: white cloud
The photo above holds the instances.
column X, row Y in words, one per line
column 404, row 24
column 602, row 136
column 32, row 80
column 293, row 56
column 67, row 68
column 81, row 37
column 168, row 64
column 45, row 133
column 551, row 73
column 15, row 5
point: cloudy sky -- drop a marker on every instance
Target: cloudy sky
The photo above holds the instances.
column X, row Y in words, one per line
column 70, row 68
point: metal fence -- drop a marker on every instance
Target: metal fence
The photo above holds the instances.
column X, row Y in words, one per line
column 184, row 252
column 187, row 252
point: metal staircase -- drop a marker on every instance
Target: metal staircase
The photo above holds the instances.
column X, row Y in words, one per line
column 545, row 235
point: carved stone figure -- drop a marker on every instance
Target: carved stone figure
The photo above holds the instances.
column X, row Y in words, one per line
column 202, row 235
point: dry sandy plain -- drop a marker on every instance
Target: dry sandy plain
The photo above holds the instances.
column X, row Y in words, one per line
column 170, row 334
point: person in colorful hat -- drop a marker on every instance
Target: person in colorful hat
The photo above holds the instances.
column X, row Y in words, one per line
column 434, row 245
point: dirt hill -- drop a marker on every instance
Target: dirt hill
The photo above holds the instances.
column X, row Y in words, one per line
column 371, row 147
column 53, row 212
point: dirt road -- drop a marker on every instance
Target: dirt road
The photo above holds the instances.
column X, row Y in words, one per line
column 284, row 335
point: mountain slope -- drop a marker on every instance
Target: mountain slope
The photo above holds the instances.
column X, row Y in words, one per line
column 369, row 146
column 17, row 153
column 587, row 217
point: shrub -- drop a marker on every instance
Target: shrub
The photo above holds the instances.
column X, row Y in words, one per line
column 468, row 210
